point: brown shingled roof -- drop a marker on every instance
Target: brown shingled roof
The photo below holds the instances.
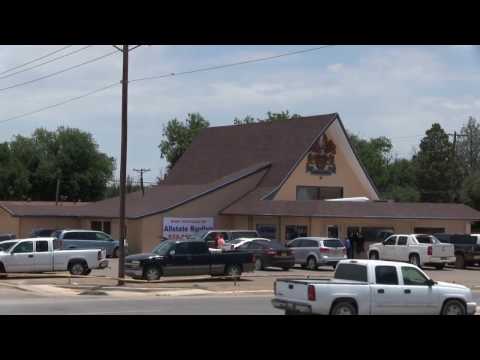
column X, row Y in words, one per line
column 43, row 208
column 218, row 151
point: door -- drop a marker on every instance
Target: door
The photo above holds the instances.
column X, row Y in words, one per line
column 103, row 241
column 43, row 257
column 22, row 258
column 420, row 298
column 387, row 251
column 401, row 249
column 75, row 241
column 387, row 294
column 298, row 251
column 200, row 259
column 179, row 261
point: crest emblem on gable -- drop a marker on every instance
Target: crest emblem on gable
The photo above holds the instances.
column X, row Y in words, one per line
column 321, row 157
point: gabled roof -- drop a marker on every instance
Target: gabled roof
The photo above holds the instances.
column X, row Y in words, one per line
column 41, row 208
column 218, row 151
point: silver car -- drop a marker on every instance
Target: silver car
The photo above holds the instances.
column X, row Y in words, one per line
column 311, row 252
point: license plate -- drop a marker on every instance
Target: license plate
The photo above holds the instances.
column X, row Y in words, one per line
column 284, row 254
column 443, row 258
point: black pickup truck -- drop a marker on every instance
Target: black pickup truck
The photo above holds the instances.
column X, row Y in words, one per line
column 467, row 251
column 185, row 258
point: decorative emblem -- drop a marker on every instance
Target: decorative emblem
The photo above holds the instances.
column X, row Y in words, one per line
column 321, row 157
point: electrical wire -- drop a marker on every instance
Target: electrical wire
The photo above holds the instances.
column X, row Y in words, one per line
column 210, row 68
column 60, row 72
column 36, row 59
column 46, row 62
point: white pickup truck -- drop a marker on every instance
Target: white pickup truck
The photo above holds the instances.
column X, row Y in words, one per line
column 417, row 249
column 44, row 255
column 373, row 287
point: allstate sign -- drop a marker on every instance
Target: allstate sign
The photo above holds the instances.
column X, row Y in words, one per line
column 178, row 228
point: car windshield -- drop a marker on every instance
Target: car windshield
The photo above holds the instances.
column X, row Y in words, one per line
column 5, row 246
column 197, row 236
column 162, row 248
column 236, row 241
column 427, row 239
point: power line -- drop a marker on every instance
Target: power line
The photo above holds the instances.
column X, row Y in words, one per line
column 36, row 59
column 210, row 68
column 59, row 72
column 46, row 62
column 60, row 103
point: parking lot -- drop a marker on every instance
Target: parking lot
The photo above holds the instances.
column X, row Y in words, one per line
column 258, row 281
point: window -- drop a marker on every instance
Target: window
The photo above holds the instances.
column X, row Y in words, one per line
column 319, row 192
column 73, row 236
column 332, row 231
column 57, row 244
column 5, row 246
column 412, row 276
column 254, row 245
column 402, row 240
column 107, row 227
column 267, row 231
column 294, row 231
column 333, row 243
column 24, row 247
column 309, row 243
column 294, row 243
column 41, row 246
column 426, row 239
column 390, row 240
column 351, row 272
column 198, row 248
column 96, row 225
column 182, row 249
column 386, row 275
column 101, row 236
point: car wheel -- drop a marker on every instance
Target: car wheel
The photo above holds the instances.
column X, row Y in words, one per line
column 233, row 271
column 115, row 253
column 151, row 273
column 286, row 269
column 414, row 260
column 343, row 308
column 258, row 264
column 78, row 268
column 334, row 266
column 454, row 307
column 311, row 263
column 439, row 266
column 373, row 255
column 459, row 261
column 87, row 272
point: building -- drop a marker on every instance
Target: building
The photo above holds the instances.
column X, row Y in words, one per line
column 277, row 177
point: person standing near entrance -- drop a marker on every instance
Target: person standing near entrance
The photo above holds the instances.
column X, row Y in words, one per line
column 348, row 246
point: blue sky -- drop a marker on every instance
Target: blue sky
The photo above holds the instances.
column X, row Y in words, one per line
column 395, row 91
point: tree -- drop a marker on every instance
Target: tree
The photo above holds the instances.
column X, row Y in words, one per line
column 436, row 171
column 375, row 154
column 402, row 181
column 468, row 147
column 113, row 188
column 179, row 135
column 271, row 116
column 71, row 156
column 470, row 193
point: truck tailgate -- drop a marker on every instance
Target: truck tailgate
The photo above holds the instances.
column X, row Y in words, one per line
column 443, row 250
column 296, row 289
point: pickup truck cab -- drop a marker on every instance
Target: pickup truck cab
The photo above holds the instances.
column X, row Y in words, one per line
column 417, row 249
column 185, row 258
column 467, row 248
column 39, row 255
column 373, row 287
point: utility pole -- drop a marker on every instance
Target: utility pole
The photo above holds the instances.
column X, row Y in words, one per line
column 141, row 171
column 57, row 193
column 454, row 158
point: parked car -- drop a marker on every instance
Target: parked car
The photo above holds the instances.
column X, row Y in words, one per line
column 185, row 258
column 372, row 287
column 38, row 255
column 233, row 244
column 269, row 253
column 311, row 252
column 467, row 249
column 418, row 249
column 4, row 237
column 228, row 235
column 89, row 239
column 42, row 233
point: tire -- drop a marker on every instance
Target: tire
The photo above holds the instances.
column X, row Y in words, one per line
column 115, row 253
column 312, row 263
column 87, row 272
column 454, row 307
column 459, row 261
column 286, row 269
column 334, row 266
column 233, row 271
column 439, row 266
column 414, row 260
column 78, row 268
column 343, row 308
column 3, row 274
column 258, row 264
column 373, row 255
column 152, row 273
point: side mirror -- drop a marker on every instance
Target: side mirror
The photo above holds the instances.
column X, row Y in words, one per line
column 171, row 253
column 430, row 282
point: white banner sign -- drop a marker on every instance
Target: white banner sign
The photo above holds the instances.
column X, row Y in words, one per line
column 178, row 228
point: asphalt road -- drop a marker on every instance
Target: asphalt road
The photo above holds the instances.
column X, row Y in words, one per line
column 100, row 305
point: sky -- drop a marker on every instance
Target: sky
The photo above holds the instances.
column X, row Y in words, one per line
column 393, row 91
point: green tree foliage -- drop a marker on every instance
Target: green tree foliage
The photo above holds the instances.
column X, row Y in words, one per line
column 436, row 173
column 32, row 165
column 402, row 181
column 179, row 135
column 113, row 188
column 468, row 147
column 271, row 116
column 470, row 193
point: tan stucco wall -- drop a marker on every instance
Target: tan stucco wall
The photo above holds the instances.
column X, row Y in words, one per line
column 27, row 224
column 9, row 224
column 344, row 177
